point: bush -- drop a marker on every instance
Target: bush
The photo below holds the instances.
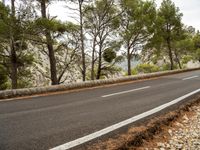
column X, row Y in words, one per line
column 168, row 67
column 150, row 68
column 3, row 79
column 186, row 59
column 147, row 68
column 134, row 71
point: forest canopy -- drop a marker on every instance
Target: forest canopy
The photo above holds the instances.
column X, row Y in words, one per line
column 37, row 49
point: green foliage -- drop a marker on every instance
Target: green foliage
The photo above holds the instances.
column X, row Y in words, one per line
column 150, row 68
column 71, row 27
column 147, row 68
column 3, row 78
column 167, row 66
column 4, row 21
column 134, row 72
column 198, row 54
column 138, row 19
column 144, row 68
column 17, row 29
column 169, row 20
column 52, row 25
column 137, row 25
column 109, row 71
column 101, row 13
column 197, row 40
column 109, row 55
column 134, row 25
column 119, row 59
column 169, row 36
column 185, row 45
column 186, row 59
column 25, row 79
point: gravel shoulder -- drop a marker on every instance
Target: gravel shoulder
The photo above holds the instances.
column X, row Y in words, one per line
column 182, row 134
column 176, row 130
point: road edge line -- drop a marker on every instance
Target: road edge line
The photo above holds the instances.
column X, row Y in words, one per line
column 111, row 128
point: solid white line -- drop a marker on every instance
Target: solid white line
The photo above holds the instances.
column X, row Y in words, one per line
column 123, row 92
column 188, row 78
column 120, row 124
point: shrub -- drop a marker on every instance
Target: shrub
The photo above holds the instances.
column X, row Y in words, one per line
column 168, row 67
column 3, row 79
column 147, row 68
column 186, row 59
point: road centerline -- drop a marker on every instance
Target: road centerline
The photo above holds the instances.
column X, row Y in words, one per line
column 124, row 92
column 188, row 78
column 116, row 126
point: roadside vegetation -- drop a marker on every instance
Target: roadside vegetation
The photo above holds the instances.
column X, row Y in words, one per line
column 37, row 49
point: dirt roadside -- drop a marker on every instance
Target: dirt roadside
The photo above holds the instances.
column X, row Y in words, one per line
column 179, row 129
column 184, row 133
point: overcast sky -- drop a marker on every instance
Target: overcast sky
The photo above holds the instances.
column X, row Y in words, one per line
column 189, row 8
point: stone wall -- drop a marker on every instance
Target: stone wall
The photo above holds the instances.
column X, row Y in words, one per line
column 64, row 87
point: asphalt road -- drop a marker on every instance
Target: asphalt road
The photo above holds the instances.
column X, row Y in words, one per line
column 45, row 122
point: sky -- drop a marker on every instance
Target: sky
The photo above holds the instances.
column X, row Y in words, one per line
column 189, row 8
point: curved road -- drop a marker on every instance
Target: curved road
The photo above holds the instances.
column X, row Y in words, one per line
column 46, row 122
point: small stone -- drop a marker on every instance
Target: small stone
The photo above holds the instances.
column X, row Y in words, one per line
column 185, row 135
column 196, row 143
column 161, row 144
column 167, row 145
column 171, row 142
column 179, row 124
column 179, row 146
column 195, row 134
column 170, row 132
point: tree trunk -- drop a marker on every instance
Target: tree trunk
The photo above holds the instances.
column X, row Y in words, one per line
column 99, row 62
column 92, row 67
column 93, row 61
column 52, row 58
column 170, row 54
column 178, row 60
column 129, row 61
column 13, row 65
column 99, row 68
column 82, row 41
column 13, row 57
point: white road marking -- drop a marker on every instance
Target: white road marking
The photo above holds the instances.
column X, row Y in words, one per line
column 121, row 124
column 123, row 92
column 188, row 78
column 19, row 98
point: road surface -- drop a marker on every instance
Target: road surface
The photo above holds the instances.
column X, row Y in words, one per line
column 46, row 122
